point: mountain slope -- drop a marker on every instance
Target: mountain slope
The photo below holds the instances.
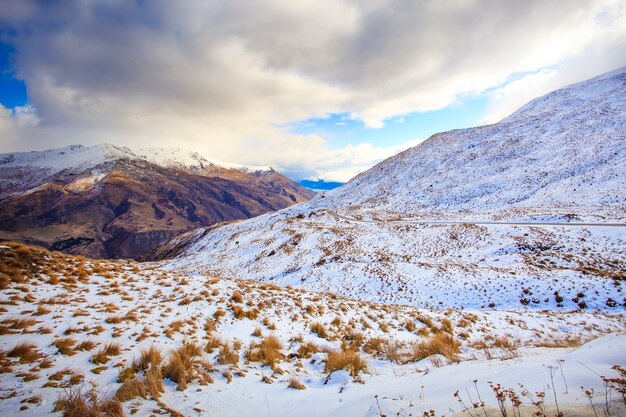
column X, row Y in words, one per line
column 561, row 159
column 87, row 323
column 107, row 201
column 565, row 149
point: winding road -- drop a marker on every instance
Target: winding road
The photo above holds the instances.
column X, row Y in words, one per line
column 477, row 222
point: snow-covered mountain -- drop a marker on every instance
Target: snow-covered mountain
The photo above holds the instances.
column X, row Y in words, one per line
column 20, row 171
column 565, row 149
column 554, row 165
column 110, row 201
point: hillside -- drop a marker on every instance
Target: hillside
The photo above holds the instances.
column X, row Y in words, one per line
column 111, row 202
column 565, row 150
column 538, row 201
column 149, row 341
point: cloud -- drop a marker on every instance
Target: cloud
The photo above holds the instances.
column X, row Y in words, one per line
column 223, row 77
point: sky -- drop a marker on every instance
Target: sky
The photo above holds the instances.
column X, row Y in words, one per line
column 314, row 88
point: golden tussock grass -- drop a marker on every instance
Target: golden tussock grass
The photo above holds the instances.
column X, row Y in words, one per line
column 237, row 297
column 41, row 310
column 103, row 354
column 131, row 389
column 76, row 403
column 182, row 364
column 440, row 344
column 26, row 352
column 149, row 358
column 267, row 351
column 306, row 350
column 319, row 329
column 212, row 343
column 296, row 384
column 348, row 360
column 86, row 345
column 227, row 355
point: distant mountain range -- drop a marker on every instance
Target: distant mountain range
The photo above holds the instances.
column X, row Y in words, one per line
column 418, row 228
column 320, row 185
column 109, row 201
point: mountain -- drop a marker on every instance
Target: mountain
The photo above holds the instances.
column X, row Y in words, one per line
column 109, row 201
column 565, row 149
column 525, row 213
column 320, row 185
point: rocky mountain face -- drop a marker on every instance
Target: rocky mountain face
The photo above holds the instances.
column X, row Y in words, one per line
column 107, row 201
column 508, row 192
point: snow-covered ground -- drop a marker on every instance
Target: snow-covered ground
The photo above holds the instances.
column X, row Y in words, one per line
column 59, row 304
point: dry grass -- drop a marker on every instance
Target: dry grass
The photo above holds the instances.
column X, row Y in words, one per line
column 149, row 358
column 76, row 403
column 440, row 344
column 295, row 384
column 41, row 310
column 104, row 353
column 306, row 350
column 212, row 343
column 348, row 360
column 131, row 389
column 86, row 345
column 26, row 352
column 267, row 351
column 227, row 355
column 237, row 297
column 182, row 364
column 569, row 341
column 319, row 329
column 66, row 346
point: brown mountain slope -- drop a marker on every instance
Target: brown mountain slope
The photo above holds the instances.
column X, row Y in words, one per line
column 125, row 207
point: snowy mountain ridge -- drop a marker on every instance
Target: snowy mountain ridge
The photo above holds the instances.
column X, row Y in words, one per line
column 81, row 157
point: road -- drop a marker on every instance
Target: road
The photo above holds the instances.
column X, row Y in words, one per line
column 477, row 222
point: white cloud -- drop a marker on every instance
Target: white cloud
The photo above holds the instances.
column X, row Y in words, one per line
column 223, row 77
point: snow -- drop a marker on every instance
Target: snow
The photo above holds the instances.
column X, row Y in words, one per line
column 150, row 299
column 22, row 172
column 558, row 165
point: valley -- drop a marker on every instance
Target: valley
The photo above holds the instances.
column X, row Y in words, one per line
column 475, row 274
